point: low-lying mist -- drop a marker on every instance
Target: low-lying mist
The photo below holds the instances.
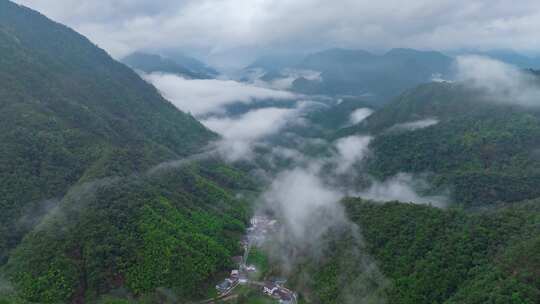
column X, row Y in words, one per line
column 498, row 81
column 207, row 96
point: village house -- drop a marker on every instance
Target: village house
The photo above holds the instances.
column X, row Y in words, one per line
column 224, row 286
column 270, row 288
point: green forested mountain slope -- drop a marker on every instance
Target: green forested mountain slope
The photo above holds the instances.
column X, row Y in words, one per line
column 480, row 150
column 429, row 255
column 71, row 113
column 79, row 134
column 174, row 229
column 444, row 256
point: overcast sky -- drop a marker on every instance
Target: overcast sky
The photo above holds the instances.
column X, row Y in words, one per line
column 214, row 28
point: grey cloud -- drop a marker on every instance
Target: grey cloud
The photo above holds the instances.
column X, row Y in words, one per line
column 213, row 26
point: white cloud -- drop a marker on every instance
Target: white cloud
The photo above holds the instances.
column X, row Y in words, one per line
column 299, row 195
column 209, row 95
column 358, row 115
column 351, row 150
column 240, row 134
column 401, row 188
column 501, row 82
column 415, row 125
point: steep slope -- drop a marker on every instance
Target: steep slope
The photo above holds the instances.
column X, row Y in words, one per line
column 482, row 150
column 71, row 113
column 360, row 73
column 172, row 229
column 427, row 255
column 150, row 63
column 447, row 256
column 81, row 137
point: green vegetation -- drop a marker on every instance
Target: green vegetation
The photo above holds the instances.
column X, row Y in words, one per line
column 174, row 230
column 260, row 260
column 71, row 114
column 482, row 151
column 449, row 256
column 84, row 209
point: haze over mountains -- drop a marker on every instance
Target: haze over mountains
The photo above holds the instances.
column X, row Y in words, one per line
column 407, row 176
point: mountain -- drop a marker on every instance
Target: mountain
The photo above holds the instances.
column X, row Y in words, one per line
column 187, row 67
column 484, row 151
column 379, row 77
column 98, row 188
column 191, row 63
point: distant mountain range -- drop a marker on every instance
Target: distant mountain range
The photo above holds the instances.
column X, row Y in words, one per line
column 373, row 77
column 180, row 65
column 360, row 73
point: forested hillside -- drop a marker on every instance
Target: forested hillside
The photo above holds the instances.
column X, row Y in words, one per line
column 83, row 210
column 175, row 228
column 447, row 256
column 481, row 150
column 430, row 255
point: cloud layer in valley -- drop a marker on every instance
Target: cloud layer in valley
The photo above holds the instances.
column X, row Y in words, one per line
column 206, row 96
column 213, row 26
column 401, row 188
column 240, row 134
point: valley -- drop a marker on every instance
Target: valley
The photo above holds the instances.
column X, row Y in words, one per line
column 325, row 175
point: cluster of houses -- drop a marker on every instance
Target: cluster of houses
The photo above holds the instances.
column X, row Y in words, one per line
column 276, row 290
column 260, row 227
column 237, row 276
